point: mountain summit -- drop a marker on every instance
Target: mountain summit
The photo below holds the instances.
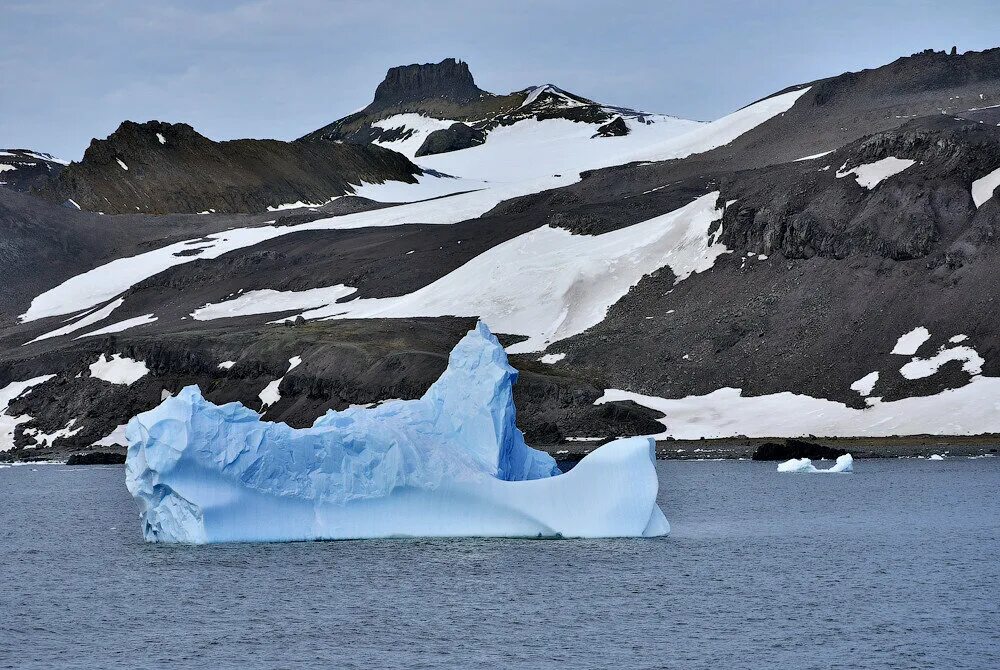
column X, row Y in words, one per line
column 448, row 80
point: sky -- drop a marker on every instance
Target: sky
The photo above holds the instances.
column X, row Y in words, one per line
column 71, row 70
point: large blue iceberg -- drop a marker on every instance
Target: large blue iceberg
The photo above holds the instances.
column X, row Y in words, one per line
column 452, row 463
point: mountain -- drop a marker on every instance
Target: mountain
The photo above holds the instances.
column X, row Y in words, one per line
column 161, row 168
column 820, row 262
column 437, row 107
column 23, row 170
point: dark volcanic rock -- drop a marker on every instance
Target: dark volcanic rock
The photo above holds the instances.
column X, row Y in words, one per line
column 23, row 170
column 450, row 80
column 96, row 458
column 615, row 128
column 457, row 136
column 789, row 449
column 157, row 168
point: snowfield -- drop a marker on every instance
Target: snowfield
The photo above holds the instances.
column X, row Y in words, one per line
column 547, row 284
column 524, row 158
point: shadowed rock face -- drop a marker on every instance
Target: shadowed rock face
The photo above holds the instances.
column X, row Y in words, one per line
column 458, row 136
column 161, row 168
column 23, row 170
column 449, row 79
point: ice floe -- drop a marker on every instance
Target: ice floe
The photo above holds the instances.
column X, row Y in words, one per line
column 844, row 464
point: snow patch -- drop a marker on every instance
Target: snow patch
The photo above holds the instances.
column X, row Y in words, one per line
column 969, row 410
column 919, row 368
column 935, row 457
column 9, row 394
column 552, row 358
column 982, row 188
column 264, row 301
column 226, row 365
column 114, row 438
column 871, row 175
column 118, row 369
column 866, row 384
column 122, row 164
column 814, row 156
column 908, row 343
column 549, row 284
column 47, row 439
column 87, row 320
column 271, row 393
column 161, row 138
column 121, row 325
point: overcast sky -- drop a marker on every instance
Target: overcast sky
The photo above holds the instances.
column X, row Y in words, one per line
column 74, row 69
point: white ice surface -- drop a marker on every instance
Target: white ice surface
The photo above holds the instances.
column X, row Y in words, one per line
column 982, row 188
column 451, row 463
column 8, row 394
column 420, row 127
column 122, row 164
column 871, row 175
column 552, row 358
column 935, row 457
column 844, row 464
column 161, row 138
column 118, row 369
column 225, row 365
column 968, row 410
column 908, row 343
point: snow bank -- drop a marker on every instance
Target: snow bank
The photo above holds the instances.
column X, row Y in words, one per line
column 452, row 463
column 844, row 464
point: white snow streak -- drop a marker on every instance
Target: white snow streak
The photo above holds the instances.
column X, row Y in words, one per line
column 264, row 301
column 982, row 188
column 121, row 325
column 866, row 384
column 8, row 394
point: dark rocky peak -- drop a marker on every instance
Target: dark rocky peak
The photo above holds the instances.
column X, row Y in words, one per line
column 450, row 80
column 131, row 137
column 922, row 72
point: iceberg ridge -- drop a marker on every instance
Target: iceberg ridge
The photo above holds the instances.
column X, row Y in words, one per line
column 452, row 463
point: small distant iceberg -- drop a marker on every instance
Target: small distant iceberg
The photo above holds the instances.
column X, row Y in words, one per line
column 935, row 457
column 451, row 463
column 844, row 464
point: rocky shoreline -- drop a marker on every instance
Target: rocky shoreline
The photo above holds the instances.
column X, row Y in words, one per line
column 915, row 446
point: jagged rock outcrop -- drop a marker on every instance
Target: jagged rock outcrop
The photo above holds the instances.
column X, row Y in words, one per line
column 457, row 136
column 158, row 167
column 23, row 170
column 448, row 80
column 614, row 128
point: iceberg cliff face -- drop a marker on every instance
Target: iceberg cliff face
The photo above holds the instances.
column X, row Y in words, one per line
column 451, row 463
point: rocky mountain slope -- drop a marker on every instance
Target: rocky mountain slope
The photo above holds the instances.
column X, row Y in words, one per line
column 162, row 168
column 820, row 262
column 23, row 170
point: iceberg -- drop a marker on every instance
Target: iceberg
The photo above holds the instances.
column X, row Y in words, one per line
column 844, row 464
column 452, row 463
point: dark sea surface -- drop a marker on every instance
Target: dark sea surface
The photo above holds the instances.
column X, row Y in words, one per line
column 895, row 566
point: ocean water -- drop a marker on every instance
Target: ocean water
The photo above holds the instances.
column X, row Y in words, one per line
column 895, row 566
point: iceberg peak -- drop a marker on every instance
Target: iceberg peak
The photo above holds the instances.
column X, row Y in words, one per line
column 452, row 462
